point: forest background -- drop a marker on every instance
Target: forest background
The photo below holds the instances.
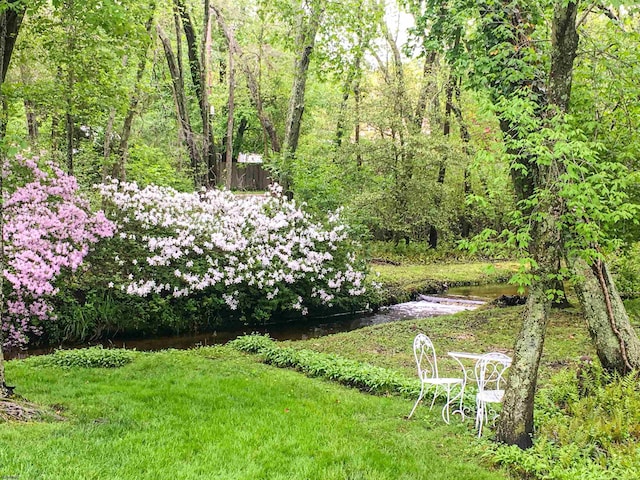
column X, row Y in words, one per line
column 345, row 106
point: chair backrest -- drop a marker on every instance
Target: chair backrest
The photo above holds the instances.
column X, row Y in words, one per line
column 425, row 355
column 490, row 369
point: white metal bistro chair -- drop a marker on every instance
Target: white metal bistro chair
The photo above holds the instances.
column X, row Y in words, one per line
column 489, row 371
column 425, row 355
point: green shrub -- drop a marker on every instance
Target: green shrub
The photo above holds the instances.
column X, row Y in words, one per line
column 92, row 357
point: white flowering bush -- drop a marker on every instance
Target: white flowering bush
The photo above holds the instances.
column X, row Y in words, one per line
column 253, row 255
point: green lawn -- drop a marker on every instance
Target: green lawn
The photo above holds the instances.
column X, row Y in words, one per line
column 217, row 414
column 483, row 330
column 402, row 281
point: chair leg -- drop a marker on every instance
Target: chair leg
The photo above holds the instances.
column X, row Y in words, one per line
column 417, row 401
column 480, row 418
column 435, row 394
column 445, row 409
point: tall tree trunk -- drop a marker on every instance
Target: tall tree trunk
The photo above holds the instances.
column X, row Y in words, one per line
column 29, row 106
column 208, row 146
column 243, row 125
column 198, row 77
column 428, row 91
column 516, row 421
column 108, row 137
column 123, row 149
column 69, row 120
column 358, row 99
column 231, row 107
column 11, row 15
column 32, row 120
column 252, row 83
column 614, row 337
column 181, row 106
column 465, row 224
column 69, row 125
column 442, row 170
column 309, row 26
column 353, row 79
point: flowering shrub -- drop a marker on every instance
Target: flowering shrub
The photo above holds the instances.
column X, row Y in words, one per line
column 254, row 255
column 47, row 229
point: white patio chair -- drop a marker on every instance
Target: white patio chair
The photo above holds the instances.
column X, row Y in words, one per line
column 489, row 371
column 425, row 355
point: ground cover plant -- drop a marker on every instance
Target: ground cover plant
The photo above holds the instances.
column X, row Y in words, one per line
column 213, row 413
column 587, row 428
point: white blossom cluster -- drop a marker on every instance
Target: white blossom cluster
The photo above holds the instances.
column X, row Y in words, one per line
column 176, row 244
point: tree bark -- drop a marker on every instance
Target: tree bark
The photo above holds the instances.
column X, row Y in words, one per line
column 106, row 150
column 239, row 137
column 123, row 149
column 614, row 337
column 306, row 40
column 208, row 145
column 252, row 83
column 231, row 107
column 10, row 21
column 427, row 91
column 69, row 120
column 181, row 106
column 32, row 120
column 516, row 421
column 198, row 77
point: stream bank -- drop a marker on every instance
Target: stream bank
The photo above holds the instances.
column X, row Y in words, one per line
column 421, row 307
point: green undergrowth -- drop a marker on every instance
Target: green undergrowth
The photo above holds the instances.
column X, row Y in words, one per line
column 403, row 282
column 217, row 413
column 351, row 373
column 92, row 357
column 588, row 427
column 348, row 372
column 587, row 424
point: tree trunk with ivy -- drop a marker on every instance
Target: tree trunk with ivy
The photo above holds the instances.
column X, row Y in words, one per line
column 615, row 339
column 542, row 179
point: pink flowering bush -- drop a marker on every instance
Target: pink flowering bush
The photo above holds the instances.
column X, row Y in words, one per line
column 48, row 230
column 249, row 256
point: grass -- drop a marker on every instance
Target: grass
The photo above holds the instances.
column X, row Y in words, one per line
column 213, row 413
column 402, row 282
column 487, row 329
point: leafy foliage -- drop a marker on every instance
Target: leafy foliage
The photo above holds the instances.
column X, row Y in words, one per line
column 587, row 428
column 93, row 357
column 352, row 373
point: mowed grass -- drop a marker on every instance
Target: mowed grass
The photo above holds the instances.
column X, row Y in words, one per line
column 483, row 330
column 402, row 282
column 452, row 273
column 216, row 414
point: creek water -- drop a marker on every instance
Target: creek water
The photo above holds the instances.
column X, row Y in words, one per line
column 457, row 299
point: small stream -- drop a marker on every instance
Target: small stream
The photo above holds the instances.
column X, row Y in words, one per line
column 457, row 299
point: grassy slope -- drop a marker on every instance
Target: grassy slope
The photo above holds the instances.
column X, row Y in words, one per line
column 483, row 330
column 216, row 414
